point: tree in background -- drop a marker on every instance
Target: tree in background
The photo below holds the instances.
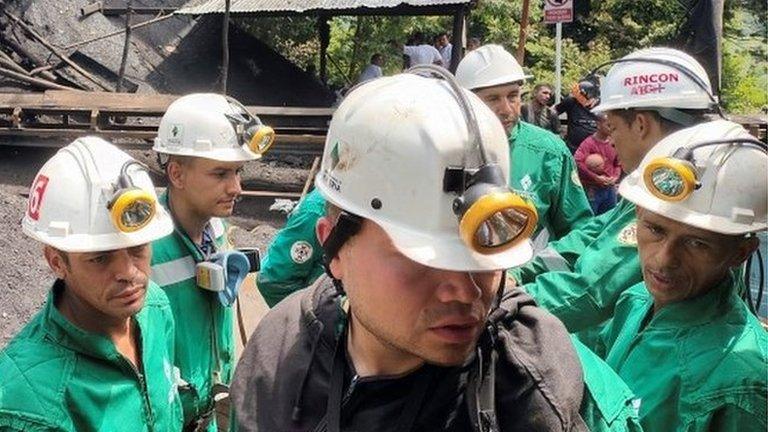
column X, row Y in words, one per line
column 603, row 30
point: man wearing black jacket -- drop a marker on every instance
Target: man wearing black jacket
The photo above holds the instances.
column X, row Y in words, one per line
column 407, row 332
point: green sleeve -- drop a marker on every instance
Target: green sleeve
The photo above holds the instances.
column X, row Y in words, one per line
column 571, row 208
column 562, row 254
column 17, row 423
column 586, row 295
column 608, row 404
column 294, row 258
column 731, row 418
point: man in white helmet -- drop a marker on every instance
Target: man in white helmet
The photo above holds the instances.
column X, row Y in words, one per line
column 543, row 170
column 405, row 332
column 682, row 339
column 646, row 96
column 203, row 142
column 99, row 355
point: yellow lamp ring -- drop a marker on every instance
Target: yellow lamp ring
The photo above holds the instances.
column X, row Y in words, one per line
column 132, row 209
column 262, row 139
column 670, row 179
column 486, row 207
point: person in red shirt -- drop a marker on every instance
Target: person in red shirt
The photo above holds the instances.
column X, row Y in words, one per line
column 599, row 167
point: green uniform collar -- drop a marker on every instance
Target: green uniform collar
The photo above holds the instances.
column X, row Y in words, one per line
column 197, row 255
column 515, row 131
column 74, row 338
column 695, row 312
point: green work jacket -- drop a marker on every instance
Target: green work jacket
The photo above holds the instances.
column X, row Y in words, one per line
column 696, row 365
column 294, row 259
column 55, row 376
column 580, row 277
column 205, row 347
column 543, row 171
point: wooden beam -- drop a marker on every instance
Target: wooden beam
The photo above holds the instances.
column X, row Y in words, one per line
column 324, row 33
column 459, row 26
column 132, row 101
column 225, row 48
column 114, row 11
column 523, row 35
column 37, row 82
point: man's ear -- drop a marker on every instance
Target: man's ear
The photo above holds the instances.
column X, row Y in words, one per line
column 176, row 172
column 745, row 248
column 56, row 261
column 641, row 124
column 323, row 230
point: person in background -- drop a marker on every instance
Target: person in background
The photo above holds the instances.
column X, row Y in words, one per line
column 473, row 43
column 419, row 52
column 577, row 106
column 373, row 69
column 543, row 170
column 599, row 167
column 294, row 259
column 538, row 112
column 444, row 46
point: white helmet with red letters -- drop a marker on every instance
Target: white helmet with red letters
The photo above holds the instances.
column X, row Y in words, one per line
column 91, row 197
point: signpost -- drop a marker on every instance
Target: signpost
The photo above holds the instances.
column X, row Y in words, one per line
column 557, row 12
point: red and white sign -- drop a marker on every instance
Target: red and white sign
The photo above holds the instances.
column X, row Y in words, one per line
column 36, row 196
column 556, row 11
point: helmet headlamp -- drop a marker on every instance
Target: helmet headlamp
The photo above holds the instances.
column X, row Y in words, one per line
column 491, row 217
column 131, row 208
column 250, row 131
column 674, row 178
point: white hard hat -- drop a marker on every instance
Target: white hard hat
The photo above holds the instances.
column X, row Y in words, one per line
column 728, row 190
column 488, row 66
column 79, row 191
column 388, row 149
column 656, row 78
column 211, row 126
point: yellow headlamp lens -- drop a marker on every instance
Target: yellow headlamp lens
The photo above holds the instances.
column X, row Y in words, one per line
column 262, row 140
column 133, row 209
column 670, row 179
column 497, row 221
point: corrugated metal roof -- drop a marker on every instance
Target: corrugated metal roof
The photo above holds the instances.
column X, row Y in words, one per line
column 200, row 7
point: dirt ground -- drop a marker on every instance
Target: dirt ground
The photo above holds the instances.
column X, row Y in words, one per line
column 25, row 278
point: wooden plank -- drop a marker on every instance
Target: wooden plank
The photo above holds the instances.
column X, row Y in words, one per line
column 133, row 101
column 51, row 131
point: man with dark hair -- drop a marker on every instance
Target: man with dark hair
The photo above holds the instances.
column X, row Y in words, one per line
column 683, row 339
column 538, row 112
column 579, row 277
column 99, row 356
column 406, row 332
column 373, row 69
column 581, row 121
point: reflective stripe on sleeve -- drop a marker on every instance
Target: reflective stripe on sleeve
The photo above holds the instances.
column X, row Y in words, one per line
column 172, row 272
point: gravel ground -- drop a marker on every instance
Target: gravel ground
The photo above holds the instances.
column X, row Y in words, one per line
column 25, row 279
